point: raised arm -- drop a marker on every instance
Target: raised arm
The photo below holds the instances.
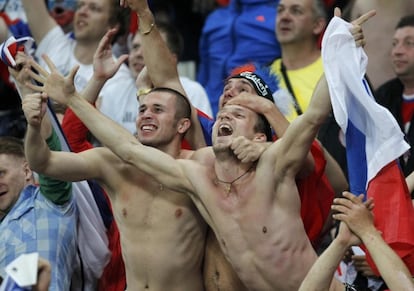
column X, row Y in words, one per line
column 276, row 119
column 361, row 222
column 321, row 275
column 104, row 67
column 149, row 160
column 295, row 144
column 38, row 18
column 161, row 64
column 300, row 134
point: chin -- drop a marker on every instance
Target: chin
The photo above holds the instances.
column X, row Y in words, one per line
column 222, row 145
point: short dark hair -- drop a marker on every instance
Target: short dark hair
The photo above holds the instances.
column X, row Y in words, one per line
column 407, row 20
column 263, row 126
column 174, row 39
column 13, row 146
column 182, row 105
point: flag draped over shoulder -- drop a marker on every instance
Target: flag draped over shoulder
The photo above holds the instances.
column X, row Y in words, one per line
column 92, row 237
column 374, row 140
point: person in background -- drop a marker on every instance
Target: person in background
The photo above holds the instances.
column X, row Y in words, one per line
column 92, row 19
column 233, row 35
column 299, row 26
column 380, row 67
column 356, row 227
column 172, row 37
column 36, row 218
column 397, row 94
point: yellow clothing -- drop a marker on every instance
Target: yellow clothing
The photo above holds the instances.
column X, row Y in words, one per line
column 303, row 82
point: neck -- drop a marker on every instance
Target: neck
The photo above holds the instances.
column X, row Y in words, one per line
column 229, row 170
column 408, row 83
column 173, row 149
column 296, row 57
column 84, row 52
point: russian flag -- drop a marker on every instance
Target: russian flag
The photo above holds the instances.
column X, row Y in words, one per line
column 374, row 140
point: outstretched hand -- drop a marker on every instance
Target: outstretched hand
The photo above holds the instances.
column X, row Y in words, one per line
column 19, row 73
column 355, row 213
column 104, row 64
column 356, row 29
column 34, row 107
column 252, row 101
column 55, row 86
column 247, row 150
column 350, row 209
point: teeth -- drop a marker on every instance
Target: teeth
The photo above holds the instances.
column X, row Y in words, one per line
column 148, row 127
column 225, row 129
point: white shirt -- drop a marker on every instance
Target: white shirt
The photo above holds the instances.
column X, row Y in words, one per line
column 118, row 96
column 197, row 95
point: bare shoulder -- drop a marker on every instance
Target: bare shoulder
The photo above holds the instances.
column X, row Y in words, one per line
column 186, row 154
column 204, row 155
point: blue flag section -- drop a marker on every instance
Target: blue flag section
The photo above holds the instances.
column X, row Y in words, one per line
column 374, row 141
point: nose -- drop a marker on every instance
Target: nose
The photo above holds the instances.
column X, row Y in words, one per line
column 398, row 48
column 224, row 116
column 282, row 15
column 146, row 114
column 230, row 92
column 82, row 9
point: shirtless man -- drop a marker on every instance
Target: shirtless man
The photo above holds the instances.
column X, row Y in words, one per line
column 162, row 233
column 252, row 207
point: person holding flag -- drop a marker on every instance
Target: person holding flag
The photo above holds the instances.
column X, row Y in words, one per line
column 374, row 141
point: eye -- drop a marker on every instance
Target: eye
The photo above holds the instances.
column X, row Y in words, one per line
column 158, row 110
column 409, row 43
column 95, row 8
column 79, row 5
column 296, row 11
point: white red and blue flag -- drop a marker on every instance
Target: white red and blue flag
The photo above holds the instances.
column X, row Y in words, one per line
column 374, row 140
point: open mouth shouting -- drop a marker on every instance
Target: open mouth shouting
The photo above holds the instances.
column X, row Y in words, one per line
column 225, row 130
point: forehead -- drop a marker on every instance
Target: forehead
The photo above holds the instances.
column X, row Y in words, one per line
column 158, row 97
column 237, row 109
column 99, row 3
column 299, row 3
column 406, row 31
column 9, row 161
column 239, row 82
column 137, row 38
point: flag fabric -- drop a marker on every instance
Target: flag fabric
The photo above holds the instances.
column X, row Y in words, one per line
column 12, row 46
column 92, row 236
column 374, row 140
